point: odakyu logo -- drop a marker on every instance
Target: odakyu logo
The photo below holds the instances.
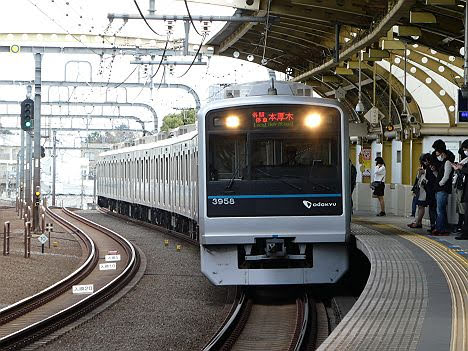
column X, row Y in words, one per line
column 309, row 204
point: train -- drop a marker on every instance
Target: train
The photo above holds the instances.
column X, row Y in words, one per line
column 262, row 183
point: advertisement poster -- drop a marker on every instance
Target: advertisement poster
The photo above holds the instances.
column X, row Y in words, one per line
column 365, row 161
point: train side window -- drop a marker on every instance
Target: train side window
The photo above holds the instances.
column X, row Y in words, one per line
column 187, row 158
column 167, row 170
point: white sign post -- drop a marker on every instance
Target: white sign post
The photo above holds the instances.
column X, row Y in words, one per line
column 49, row 228
column 42, row 239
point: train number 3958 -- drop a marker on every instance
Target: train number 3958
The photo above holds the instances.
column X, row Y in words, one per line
column 223, row 201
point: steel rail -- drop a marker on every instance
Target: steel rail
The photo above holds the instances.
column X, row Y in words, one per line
column 29, row 303
column 51, row 323
column 227, row 336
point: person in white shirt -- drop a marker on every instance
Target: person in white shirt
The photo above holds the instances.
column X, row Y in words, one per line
column 379, row 183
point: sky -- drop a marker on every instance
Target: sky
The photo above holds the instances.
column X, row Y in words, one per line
column 90, row 17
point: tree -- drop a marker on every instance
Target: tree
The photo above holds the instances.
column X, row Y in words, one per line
column 175, row 120
column 94, row 137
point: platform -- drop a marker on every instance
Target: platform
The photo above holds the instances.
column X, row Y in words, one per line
column 416, row 295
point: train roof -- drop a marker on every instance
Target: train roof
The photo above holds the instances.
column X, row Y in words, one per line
column 159, row 143
column 270, row 99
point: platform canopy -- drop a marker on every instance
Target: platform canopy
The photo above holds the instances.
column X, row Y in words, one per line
column 300, row 38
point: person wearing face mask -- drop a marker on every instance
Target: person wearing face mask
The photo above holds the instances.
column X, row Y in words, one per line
column 379, row 184
column 458, row 185
column 419, row 190
column 443, row 185
column 463, row 169
column 431, row 176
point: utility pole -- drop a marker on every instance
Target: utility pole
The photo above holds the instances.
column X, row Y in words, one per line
column 37, row 140
column 27, row 178
column 54, row 164
column 21, row 170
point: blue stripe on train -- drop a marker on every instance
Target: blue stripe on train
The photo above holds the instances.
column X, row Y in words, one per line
column 282, row 196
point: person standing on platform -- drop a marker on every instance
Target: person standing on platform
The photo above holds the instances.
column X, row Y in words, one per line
column 458, row 182
column 463, row 169
column 443, row 186
column 379, row 184
column 414, row 203
column 431, row 176
column 419, row 190
column 353, row 177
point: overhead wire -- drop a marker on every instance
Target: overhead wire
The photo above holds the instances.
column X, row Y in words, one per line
column 194, row 58
column 122, row 82
column 144, row 18
column 63, row 28
column 162, row 57
column 190, row 17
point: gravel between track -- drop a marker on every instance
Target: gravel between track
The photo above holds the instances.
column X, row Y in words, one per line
column 173, row 307
column 22, row 277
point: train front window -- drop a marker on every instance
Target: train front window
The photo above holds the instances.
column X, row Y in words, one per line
column 228, row 157
column 273, row 168
column 300, row 163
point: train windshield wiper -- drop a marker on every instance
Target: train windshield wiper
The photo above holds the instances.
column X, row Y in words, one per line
column 231, row 182
column 279, row 178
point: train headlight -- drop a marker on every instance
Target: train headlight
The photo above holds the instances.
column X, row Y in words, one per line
column 313, row 120
column 232, row 122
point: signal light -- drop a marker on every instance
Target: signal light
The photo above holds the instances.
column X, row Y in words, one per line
column 37, row 199
column 42, row 151
column 27, row 114
column 15, row 49
column 390, row 128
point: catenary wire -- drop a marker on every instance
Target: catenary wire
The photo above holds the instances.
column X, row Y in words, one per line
column 144, row 18
column 190, row 17
column 194, row 58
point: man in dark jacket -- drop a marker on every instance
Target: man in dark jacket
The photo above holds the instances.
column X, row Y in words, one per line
column 443, row 186
column 464, row 170
column 352, row 176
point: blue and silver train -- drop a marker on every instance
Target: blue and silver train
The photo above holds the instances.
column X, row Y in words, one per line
column 262, row 183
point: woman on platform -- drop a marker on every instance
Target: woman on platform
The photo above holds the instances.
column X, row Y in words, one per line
column 419, row 190
column 379, row 184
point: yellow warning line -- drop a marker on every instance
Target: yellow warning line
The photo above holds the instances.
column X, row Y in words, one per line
column 454, row 268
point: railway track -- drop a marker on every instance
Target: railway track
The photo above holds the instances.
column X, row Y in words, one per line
column 41, row 314
column 288, row 325
column 173, row 233
column 302, row 324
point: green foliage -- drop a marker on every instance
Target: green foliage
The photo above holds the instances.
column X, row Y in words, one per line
column 94, row 137
column 175, row 120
